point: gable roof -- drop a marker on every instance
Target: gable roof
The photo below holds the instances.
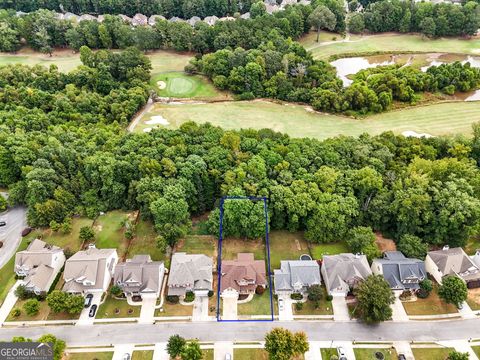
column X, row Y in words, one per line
column 401, row 272
column 455, row 261
column 345, row 270
column 244, row 268
column 303, row 273
column 194, row 271
column 140, row 274
column 40, row 277
column 36, row 254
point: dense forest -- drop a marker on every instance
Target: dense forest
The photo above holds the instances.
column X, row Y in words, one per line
column 63, row 151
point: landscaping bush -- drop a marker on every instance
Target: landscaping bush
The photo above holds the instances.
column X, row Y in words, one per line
column 23, row 294
column 298, row 306
column 426, row 285
column 259, row 290
column 31, row 307
column 16, row 312
column 173, row 299
column 329, row 297
column 210, row 293
column 189, row 296
column 296, row 296
column 315, row 292
column 115, row 290
column 422, row 294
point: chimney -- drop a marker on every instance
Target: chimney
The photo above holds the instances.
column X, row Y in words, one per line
column 446, row 247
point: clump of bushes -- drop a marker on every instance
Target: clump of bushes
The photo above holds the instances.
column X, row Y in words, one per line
column 173, row 299
column 189, row 296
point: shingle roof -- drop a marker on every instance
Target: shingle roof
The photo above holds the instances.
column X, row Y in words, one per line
column 304, row 273
column 187, row 271
column 36, row 254
column 455, row 261
column 244, row 268
column 345, row 270
column 401, row 272
column 140, row 274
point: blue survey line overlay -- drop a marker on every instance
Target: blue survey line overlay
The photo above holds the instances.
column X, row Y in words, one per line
column 267, row 246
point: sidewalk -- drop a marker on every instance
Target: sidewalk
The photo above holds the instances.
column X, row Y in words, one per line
column 160, row 352
column 466, row 311
column 9, row 302
column 461, row 346
column 314, row 352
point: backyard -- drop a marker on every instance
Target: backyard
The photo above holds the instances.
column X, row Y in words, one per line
column 436, row 119
column 110, row 231
column 432, row 305
column 431, row 353
column 145, row 242
column 318, row 250
column 232, row 246
column 285, row 245
column 198, row 244
column 116, row 308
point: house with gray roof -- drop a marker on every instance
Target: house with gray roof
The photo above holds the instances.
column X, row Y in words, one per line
column 190, row 273
column 39, row 264
column 400, row 272
column 211, row 20
column 140, row 276
column 86, row 17
column 90, row 271
column 452, row 261
column 295, row 276
column 343, row 272
column 152, row 20
column 139, row 20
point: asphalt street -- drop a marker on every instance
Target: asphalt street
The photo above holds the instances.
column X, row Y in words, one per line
column 11, row 234
column 118, row 333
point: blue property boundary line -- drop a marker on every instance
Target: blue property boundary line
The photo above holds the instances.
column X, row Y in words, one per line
column 219, row 262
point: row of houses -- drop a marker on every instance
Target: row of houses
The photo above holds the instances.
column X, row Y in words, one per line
column 92, row 271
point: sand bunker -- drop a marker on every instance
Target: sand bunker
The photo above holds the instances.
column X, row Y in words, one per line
column 147, row 130
column 157, row 119
column 415, row 134
column 161, row 84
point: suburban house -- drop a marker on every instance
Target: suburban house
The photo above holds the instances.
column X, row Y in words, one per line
column 243, row 275
column 342, row 272
column 190, row 273
column 295, row 276
column 139, row 20
column 39, row 264
column 400, row 272
column 453, row 261
column 90, row 271
column 140, row 276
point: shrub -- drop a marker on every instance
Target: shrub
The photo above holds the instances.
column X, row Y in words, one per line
column 16, row 312
column 259, row 290
column 116, row 290
column 296, row 296
column 173, row 299
column 31, row 307
column 422, row 294
column 329, row 298
column 298, row 306
column 315, row 292
column 189, row 296
column 210, row 293
column 86, row 234
column 426, row 285
column 23, row 294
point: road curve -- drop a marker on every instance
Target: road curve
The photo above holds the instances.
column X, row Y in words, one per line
column 11, row 234
column 101, row 335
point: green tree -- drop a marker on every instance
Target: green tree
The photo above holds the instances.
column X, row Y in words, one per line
column 86, row 234
column 426, row 285
column 455, row 355
column 282, row 344
column 374, row 298
column 192, row 351
column 412, row 246
column 315, row 292
column 58, row 345
column 428, row 27
column 175, row 346
column 322, row 18
column 453, row 290
column 361, row 240
column 356, row 25
column 3, row 203
column 31, row 307
column 116, row 290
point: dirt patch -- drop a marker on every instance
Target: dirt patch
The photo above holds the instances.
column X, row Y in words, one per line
column 98, row 228
column 297, row 243
column 384, row 244
column 474, row 295
column 161, row 84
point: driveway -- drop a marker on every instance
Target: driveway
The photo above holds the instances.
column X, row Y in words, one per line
column 147, row 311
column 222, row 348
column 200, row 308
column 229, row 303
column 11, row 234
column 398, row 311
column 403, row 347
column 9, row 302
column 340, row 309
column 121, row 349
column 160, row 352
column 286, row 313
column 84, row 318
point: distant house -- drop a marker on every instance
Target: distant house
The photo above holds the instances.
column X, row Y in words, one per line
column 193, row 20
column 125, row 18
column 455, row 261
column 400, row 272
column 39, row 264
column 90, row 271
column 295, row 276
column 343, row 272
column 152, row 20
column 70, row 16
column 86, row 17
column 139, row 20
column 211, row 20
column 243, row 275
column 140, row 276
column 245, row 16
column 190, row 273
column 175, row 19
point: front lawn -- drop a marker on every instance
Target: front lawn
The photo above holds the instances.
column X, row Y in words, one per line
column 285, row 245
column 107, row 355
column 328, row 353
column 473, row 299
column 368, row 354
column 324, row 308
column 142, row 355
column 174, row 310
column 44, row 313
column 255, row 354
column 110, row 231
column 207, row 354
column 259, row 305
column 318, row 250
column 7, row 273
column 432, row 305
column 476, row 350
column 431, row 353
column 115, row 308
column 145, row 243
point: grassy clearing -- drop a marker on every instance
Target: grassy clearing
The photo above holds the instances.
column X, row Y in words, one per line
column 438, row 119
column 7, row 273
column 259, row 305
column 318, row 250
column 431, row 353
column 115, row 308
column 207, row 354
column 385, row 43
column 109, row 229
column 432, row 305
column 368, row 354
column 174, row 310
column 285, row 245
column 182, row 85
column 198, row 244
column 145, row 242
column 232, row 246
column 142, row 355
column 107, row 355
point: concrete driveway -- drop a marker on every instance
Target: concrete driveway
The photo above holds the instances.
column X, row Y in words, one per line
column 84, row 318
column 403, row 347
column 200, row 308
column 340, row 309
column 120, row 350
column 222, row 348
column 11, row 234
column 398, row 311
column 285, row 313
column 147, row 311
column 229, row 304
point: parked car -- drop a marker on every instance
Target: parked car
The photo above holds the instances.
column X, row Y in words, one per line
column 126, row 356
column 3, row 223
column 88, row 300
column 402, row 357
column 26, row 231
column 92, row 311
column 228, row 357
column 342, row 355
column 280, row 304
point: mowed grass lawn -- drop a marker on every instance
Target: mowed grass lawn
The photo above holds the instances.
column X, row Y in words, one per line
column 259, row 305
column 107, row 355
column 296, row 121
column 318, row 250
column 182, row 85
column 207, row 354
column 198, row 244
column 110, row 231
column 108, row 307
column 308, row 308
column 432, row 305
column 174, row 309
column 385, row 43
column 142, row 355
column 145, row 243
column 7, row 273
column 431, row 353
column 285, row 245
column 369, row 354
